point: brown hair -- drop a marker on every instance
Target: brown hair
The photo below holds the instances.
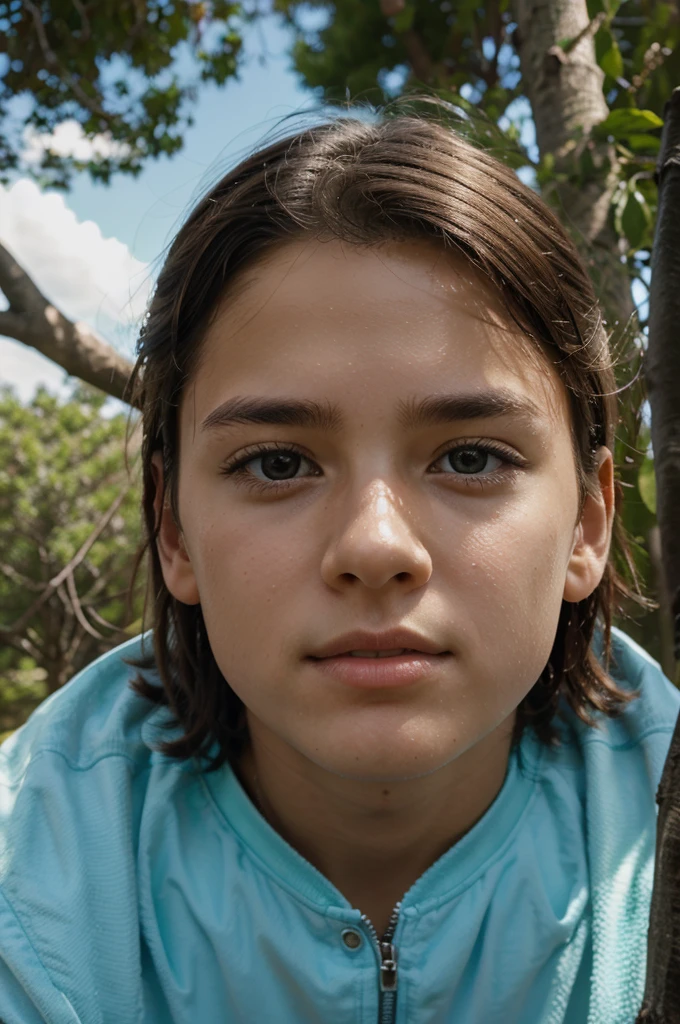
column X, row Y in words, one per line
column 403, row 177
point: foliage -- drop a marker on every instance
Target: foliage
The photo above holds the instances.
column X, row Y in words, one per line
column 351, row 47
column 62, row 479
column 124, row 70
column 351, row 50
column 124, row 74
column 469, row 53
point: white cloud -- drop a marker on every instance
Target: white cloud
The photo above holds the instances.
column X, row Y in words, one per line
column 25, row 369
column 69, row 139
column 88, row 277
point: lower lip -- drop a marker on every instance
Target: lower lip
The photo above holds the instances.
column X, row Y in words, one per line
column 378, row 673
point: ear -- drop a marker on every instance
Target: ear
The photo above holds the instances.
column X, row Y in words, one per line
column 176, row 565
column 592, row 535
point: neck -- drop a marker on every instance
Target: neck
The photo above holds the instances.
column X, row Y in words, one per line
column 372, row 840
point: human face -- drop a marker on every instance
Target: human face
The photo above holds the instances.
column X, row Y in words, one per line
column 461, row 527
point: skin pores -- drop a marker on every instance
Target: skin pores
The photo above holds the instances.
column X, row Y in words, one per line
column 379, row 529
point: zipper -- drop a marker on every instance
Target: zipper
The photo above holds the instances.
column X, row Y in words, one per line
column 387, row 952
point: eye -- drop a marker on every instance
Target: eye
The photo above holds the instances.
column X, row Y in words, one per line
column 270, row 465
column 470, row 460
column 277, row 465
column 478, row 461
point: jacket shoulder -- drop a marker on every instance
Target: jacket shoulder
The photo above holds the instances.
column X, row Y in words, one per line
column 96, row 714
column 657, row 706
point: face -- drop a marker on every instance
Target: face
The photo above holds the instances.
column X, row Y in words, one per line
column 420, row 477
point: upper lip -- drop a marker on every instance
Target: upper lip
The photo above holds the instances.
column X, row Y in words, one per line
column 360, row 640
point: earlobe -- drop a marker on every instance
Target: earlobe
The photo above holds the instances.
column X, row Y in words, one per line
column 592, row 535
column 175, row 562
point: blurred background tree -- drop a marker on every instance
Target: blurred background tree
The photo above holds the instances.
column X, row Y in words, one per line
column 127, row 71
column 125, row 75
column 69, row 529
column 568, row 92
column 573, row 92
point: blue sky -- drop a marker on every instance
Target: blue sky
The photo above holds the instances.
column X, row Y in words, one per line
column 95, row 250
column 87, row 247
column 144, row 212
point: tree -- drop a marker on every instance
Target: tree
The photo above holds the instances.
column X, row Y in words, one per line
column 69, row 529
column 117, row 71
column 595, row 73
column 662, row 992
column 594, row 76
column 112, row 68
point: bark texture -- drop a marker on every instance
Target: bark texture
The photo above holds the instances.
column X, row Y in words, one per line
column 564, row 86
column 33, row 320
column 662, row 993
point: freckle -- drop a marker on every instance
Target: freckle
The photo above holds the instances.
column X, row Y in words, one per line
column 386, row 792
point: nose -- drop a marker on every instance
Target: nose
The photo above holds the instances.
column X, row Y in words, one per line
column 375, row 545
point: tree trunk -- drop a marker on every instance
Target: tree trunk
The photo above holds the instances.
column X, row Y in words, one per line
column 662, row 993
column 563, row 83
column 667, row 657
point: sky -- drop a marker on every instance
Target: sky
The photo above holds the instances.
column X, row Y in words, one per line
column 94, row 250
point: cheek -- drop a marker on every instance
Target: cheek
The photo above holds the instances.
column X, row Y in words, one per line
column 247, row 578
column 517, row 574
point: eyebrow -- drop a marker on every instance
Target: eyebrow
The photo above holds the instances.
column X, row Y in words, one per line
column 287, row 412
column 412, row 413
column 476, row 405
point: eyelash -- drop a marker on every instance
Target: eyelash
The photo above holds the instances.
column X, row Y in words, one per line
column 237, row 469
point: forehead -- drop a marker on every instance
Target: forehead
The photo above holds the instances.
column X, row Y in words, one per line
column 363, row 325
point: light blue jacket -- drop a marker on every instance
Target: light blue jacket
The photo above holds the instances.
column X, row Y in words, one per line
column 135, row 889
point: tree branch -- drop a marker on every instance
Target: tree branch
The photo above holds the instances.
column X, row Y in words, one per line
column 86, row 32
column 72, row 649
column 13, row 325
column 23, row 646
column 102, row 621
column 26, row 647
column 34, row 321
column 61, row 72
column 418, row 55
column 19, row 578
column 57, row 581
column 20, row 290
column 77, row 608
column 416, row 51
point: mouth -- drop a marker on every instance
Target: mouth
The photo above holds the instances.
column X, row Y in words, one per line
column 396, row 653
column 380, row 670
column 393, row 643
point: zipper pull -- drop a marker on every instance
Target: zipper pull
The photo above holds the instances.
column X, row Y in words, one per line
column 388, row 967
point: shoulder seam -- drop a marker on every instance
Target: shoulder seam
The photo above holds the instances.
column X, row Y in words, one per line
column 653, row 730
column 80, row 767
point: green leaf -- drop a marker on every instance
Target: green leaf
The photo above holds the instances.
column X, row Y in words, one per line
column 635, row 219
column 586, row 165
column 608, row 54
column 597, row 7
column 647, row 484
column 404, row 20
column 623, row 123
column 644, row 143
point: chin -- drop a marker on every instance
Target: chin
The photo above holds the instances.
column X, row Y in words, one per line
column 392, row 767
